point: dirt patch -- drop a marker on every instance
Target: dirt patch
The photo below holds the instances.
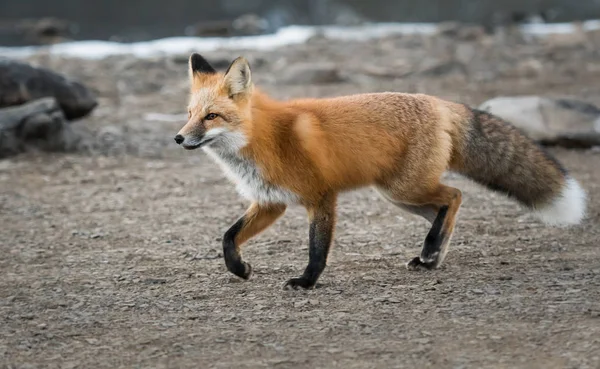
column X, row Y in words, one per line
column 114, row 260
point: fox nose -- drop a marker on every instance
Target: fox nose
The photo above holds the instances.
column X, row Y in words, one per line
column 179, row 139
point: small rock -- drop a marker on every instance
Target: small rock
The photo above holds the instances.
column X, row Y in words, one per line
column 441, row 68
column 155, row 281
column 477, row 291
column 565, row 121
column 95, row 236
column 92, row 341
column 210, row 255
column 311, row 73
column 300, row 303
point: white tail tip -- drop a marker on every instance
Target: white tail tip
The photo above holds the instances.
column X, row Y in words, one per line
column 568, row 208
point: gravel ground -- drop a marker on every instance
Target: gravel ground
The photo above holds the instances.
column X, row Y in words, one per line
column 111, row 256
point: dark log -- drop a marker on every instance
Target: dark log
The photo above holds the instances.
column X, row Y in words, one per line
column 20, row 83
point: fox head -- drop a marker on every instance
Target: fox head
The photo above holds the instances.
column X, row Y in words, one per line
column 219, row 104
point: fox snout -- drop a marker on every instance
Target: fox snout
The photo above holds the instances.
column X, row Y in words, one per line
column 191, row 141
column 191, row 136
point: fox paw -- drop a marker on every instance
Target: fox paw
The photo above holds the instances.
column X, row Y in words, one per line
column 417, row 264
column 296, row 283
column 241, row 269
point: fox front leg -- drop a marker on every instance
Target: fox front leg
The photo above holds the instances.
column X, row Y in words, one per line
column 256, row 219
column 322, row 224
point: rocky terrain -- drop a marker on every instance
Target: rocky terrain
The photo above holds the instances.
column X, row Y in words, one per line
column 110, row 255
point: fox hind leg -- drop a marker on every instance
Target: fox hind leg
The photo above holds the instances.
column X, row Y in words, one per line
column 428, row 211
column 440, row 207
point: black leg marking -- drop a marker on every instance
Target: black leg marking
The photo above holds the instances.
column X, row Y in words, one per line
column 233, row 260
column 433, row 243
column 320, row 237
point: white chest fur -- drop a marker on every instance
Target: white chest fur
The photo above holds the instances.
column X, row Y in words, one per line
column 249, row 181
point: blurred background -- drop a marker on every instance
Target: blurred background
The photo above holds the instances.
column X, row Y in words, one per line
column 33, row 21
column 110, row 233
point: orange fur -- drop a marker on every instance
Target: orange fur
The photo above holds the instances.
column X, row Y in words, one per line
column 308, row 150
column 316, row 146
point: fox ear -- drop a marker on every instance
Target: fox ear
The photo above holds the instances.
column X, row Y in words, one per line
column 199, row 65
column 238, row 78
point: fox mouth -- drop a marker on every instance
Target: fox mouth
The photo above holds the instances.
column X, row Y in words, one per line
column 197, row 145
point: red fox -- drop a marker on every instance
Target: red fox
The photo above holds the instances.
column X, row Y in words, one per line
column 307, row 151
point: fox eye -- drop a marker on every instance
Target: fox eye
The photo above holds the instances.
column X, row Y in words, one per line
column 210, row 116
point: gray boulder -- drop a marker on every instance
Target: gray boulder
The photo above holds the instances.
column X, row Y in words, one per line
column 38, row 124
column 551, row 121
column 21, row 82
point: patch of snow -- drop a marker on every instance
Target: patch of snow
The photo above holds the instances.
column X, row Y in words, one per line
column 290, row 35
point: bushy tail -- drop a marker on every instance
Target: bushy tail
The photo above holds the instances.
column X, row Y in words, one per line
column 499, row 156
